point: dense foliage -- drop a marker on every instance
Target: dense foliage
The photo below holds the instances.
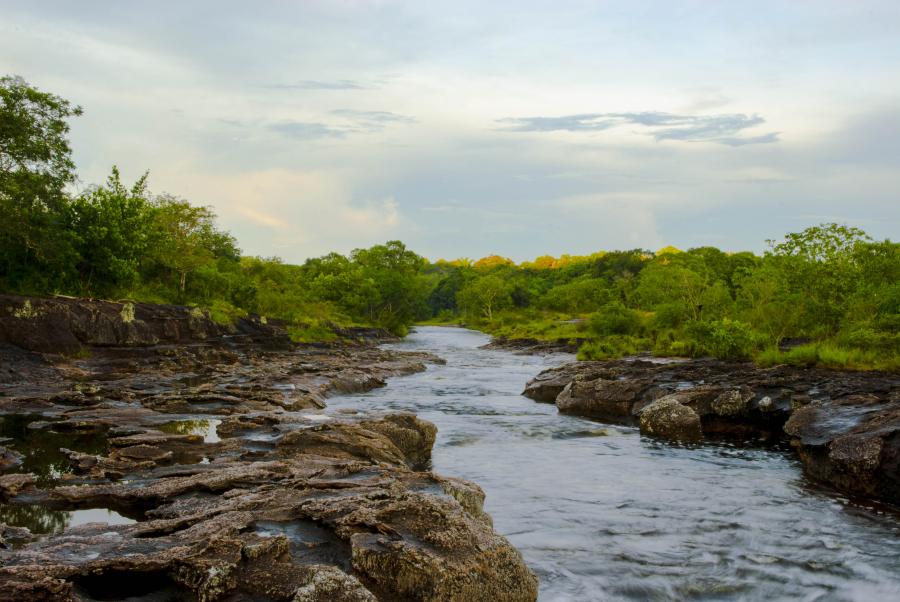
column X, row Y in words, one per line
column 121, row 241
column 828, row 295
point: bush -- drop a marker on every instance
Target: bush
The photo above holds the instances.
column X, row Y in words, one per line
column 615, row 319
column 224, row 313
column 831, row 355
column 870, row 339
column 724, row 339
column 611, row 347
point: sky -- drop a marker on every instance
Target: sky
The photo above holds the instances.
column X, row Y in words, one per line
column 473, row 128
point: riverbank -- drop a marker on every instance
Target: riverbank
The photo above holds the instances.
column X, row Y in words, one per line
column 147, row 451
column 602, row 512
column 844, row 426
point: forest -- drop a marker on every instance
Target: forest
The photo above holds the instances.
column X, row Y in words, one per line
column 828, row 295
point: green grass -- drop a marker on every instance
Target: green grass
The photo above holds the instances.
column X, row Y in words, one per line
column 543, row 326
column 314, row 332
column 224, row 313
column 612, row 347
column 831, row 355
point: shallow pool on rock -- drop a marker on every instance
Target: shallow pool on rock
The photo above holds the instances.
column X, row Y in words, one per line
column 602, row 513
column 205, row 427
column 42, row 520
column 38, row 440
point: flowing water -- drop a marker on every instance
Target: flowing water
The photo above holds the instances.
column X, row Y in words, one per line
column 602, row 513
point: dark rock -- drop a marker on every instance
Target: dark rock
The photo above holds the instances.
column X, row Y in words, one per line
column 237, row 496
column 845, row 426
column 66, row 325
column 527, row 346
column 669, row 419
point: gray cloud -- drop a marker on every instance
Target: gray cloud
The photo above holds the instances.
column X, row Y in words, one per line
column 354, row 122
column 374, row 116
column 722, row 128
column 301, row 130
column 764, row 139
column 371, row 121
column 341, row 84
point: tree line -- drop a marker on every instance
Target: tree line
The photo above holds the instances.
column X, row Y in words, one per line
column 830, row 293
column 830, row 286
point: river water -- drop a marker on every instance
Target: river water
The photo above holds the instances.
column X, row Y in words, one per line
column 601, row 513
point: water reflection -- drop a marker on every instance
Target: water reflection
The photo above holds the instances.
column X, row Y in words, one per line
column 203, row 427
column 39, row 442
column 41, row 520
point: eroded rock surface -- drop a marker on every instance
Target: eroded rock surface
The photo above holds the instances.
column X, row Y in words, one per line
column 230, row 481
column 845, row 426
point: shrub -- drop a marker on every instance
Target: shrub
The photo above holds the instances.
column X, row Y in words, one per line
column 615, row 319
column 611, row 347
column 869, row 338
column 724, row 339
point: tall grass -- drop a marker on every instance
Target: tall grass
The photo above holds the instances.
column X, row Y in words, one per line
column 831, row 355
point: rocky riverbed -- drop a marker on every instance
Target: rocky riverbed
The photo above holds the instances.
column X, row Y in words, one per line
column 844, row 426
column 149, row 453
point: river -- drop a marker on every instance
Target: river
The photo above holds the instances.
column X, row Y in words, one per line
column 601, row 513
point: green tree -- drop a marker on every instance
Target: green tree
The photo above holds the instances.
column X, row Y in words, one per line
column 187, row 238
column 822, row 266
column 484, row 295
column 401, row 288
column 112, row 227
column 35, row 167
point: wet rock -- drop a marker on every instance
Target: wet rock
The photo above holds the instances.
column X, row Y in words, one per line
column 843, row 425
column 547, row 385
column 604, row 399
column 325, row 583
column 9, row 458
column 527, row 346
column 66, row 325
column 12, row 484
column 236, row 494
column 669, row 419
column 852, row 443
column 11, row 537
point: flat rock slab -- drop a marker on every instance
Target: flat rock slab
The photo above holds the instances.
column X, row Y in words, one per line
column 237, row 484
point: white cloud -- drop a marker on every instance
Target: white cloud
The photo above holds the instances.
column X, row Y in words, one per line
column 301, row 214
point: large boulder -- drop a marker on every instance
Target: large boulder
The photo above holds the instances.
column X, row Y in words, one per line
column 668, row 419
column 852, row 443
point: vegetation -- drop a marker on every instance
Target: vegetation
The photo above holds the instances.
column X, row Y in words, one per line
column 829, row 285
column 120, row 241
column 830, row 291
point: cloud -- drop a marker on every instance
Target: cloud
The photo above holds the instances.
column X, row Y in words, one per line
column 352, row 122
column 373, row 116
column 764, row 139
column 300, row 214
column 722, row 128
column 569, row 123
column 263, row 219
column 341, row 84
column 371, row 121
column 301, row 130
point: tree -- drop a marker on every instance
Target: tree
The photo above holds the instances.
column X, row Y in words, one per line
column 822, row 266
column 485, row 295
column 401, row 288
column 112, row 227
column 35, row 167
column 664, row 283
column 188, row 238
